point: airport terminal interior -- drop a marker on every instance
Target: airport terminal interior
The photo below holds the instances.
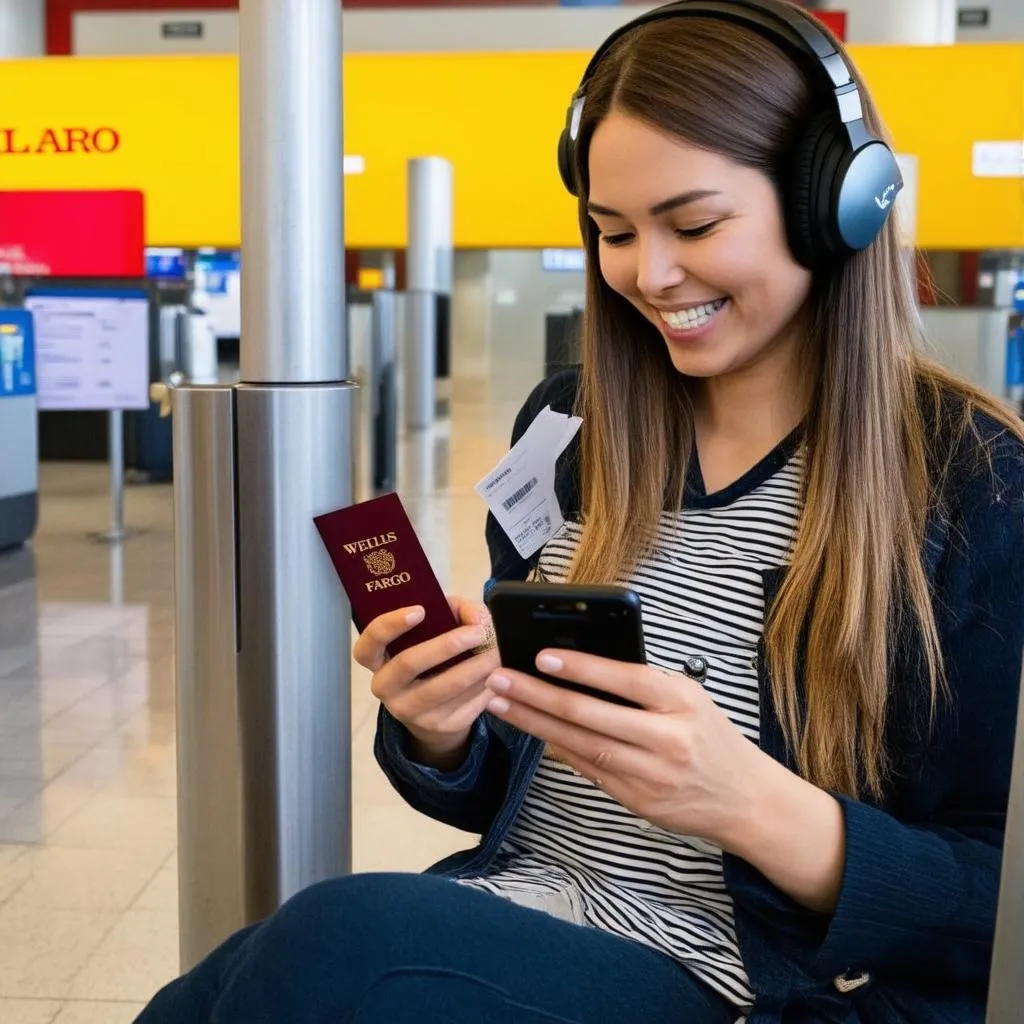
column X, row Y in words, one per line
column 88, row 875
column 89, row 734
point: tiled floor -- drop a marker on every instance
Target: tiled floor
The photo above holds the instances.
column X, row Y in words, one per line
column 88, row 876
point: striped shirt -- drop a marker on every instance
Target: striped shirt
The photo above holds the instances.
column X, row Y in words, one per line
column 702, row 595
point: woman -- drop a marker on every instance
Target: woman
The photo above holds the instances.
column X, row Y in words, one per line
column 810, row 829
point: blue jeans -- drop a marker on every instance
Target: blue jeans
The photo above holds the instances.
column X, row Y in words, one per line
column 420, row 949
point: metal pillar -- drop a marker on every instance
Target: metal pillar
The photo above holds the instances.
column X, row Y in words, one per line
column 387, row 265
column 294, row 461
column 429, row 271
column 287, row 459
column 22, row 28
column 1006, row 990
column 294, row 451
column 383, row 397
column 211, row 904
column 115, row 446
column 360, row 368
column 293, row 302
column 420, row 360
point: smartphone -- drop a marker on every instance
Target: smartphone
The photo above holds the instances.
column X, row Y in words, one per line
column 594, row 619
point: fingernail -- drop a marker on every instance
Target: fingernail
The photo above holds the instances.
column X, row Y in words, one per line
column 500, row 683
column 499, row 705
column 416, row 615
column 549, row 663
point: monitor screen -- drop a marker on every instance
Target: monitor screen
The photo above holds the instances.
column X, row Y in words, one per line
column 92, row 348
column 218, row 289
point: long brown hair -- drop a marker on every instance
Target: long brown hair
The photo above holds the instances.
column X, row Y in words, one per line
column 856, row 576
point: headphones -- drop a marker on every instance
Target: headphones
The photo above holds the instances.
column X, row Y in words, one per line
column 844, row 179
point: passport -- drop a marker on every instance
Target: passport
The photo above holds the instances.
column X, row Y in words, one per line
column 383, row 567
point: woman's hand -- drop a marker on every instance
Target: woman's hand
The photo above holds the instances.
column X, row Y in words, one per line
column 679, row 762
column 438, row 710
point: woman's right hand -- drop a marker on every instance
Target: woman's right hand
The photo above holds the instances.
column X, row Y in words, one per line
column 438, row 711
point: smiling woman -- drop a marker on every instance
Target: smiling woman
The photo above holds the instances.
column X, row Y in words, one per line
column 809, row 828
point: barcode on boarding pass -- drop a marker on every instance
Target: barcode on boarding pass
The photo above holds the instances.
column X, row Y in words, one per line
column 514, row 499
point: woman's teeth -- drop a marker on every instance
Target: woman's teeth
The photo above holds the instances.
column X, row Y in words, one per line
column 698, row 316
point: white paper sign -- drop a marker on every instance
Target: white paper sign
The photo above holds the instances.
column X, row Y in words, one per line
column 998, row 159
column 520, row 490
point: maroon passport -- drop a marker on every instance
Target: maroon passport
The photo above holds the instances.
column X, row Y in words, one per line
column 382, row 567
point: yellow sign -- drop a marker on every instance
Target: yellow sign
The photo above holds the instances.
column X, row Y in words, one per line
column 937, row 102
column 370, row 278
column 169, row 126
column 177, row 127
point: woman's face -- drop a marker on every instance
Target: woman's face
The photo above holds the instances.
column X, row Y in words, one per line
column 697, row 243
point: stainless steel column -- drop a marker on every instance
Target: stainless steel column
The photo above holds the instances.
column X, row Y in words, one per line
column 262, row 624
column 360, row 368
column 419, row 360
column 115, row 447
column 384, row 395
column 294, row 420
column 211, row 904
column 429, row 271
column 293, row 271
column 294, row 461
column 387, row 265
column 1006, row 989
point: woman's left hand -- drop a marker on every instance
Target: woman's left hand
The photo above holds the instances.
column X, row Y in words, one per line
column 676, row 761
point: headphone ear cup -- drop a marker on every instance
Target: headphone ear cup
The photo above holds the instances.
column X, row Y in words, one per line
column 816, row 156
column 565, row 161
column 865, row 194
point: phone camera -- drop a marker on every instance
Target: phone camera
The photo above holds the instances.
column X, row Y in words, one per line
column 581, row 606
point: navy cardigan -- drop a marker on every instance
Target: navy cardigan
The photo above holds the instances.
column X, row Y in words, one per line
column 911, row 937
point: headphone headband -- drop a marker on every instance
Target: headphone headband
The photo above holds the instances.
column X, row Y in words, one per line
column 787, row 26
column 845, row 177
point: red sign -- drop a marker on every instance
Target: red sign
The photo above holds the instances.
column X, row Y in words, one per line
column 72, row 234
column 835, row 20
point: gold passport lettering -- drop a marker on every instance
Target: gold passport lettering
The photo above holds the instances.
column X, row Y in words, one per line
column 389, row 581
column 369, row 543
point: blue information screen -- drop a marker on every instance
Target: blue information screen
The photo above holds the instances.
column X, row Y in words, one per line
column 166, row 263
column 17, row 353
column 214, row 270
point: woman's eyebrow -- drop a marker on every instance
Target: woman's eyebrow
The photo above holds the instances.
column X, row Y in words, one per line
column 693, row 196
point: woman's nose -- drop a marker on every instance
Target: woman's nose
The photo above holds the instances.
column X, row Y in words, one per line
column 658, row 267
